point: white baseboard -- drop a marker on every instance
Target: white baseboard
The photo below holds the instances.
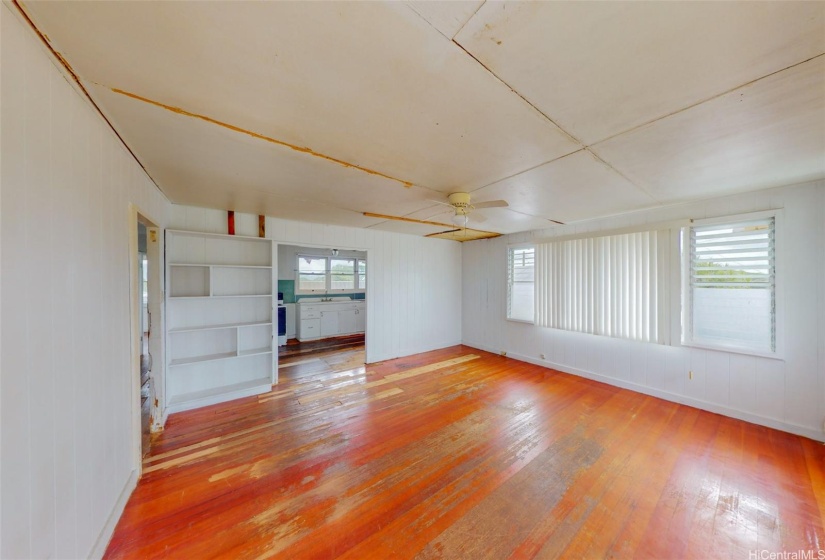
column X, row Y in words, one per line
column 666, row 395
column 105, row 536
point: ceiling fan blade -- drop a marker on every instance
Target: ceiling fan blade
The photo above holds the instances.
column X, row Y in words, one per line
column 441, row 213
column 440, row 202
column 492, row 204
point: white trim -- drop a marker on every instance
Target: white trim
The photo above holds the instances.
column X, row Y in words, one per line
column 730, row 218
column 732, row 349
column 220, row 235
column 523, row 245
column 686, row 336
column 508, row 285
column 105, row 536
column 657, row 226
column 664, row 395
column 525, row 321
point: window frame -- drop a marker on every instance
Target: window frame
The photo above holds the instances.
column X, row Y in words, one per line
column 686, row 338
column 328, row 274
column 508, row 285
column 358, row 274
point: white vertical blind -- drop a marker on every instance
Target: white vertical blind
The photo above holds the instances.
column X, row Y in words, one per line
column 602, row 285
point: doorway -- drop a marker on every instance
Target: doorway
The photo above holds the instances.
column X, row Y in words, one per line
column 144, row 332
column 147, row 359
column 324, row 291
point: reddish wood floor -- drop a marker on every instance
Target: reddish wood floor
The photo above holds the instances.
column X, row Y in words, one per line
column 463, row 454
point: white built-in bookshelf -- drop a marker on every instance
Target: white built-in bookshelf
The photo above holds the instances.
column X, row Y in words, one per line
column 219, row 317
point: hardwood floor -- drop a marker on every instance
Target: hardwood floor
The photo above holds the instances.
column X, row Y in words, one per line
column 463, row 454
column 294, row 347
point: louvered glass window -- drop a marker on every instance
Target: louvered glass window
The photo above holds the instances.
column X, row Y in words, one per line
column 520, row 283
column 731, row 278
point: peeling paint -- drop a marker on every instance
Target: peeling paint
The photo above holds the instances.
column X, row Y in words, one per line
column 302, row 149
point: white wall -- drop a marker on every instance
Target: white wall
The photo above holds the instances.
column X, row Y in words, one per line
column 788, row 394
column 66, row 388
column 413, row 283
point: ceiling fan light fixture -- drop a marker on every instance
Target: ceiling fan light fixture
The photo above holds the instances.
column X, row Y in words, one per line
column 460, row 219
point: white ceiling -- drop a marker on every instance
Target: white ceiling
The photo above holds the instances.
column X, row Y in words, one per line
column 321, row 111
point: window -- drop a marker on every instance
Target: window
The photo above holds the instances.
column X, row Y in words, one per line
column 362, row 274
column 730, row 287
column 613, row 285
column 520, row 283
column 342, row 274
column 330, row 274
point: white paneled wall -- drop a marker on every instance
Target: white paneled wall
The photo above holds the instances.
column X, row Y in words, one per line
column 66, row 388
column 413, row 283
column 788, row 394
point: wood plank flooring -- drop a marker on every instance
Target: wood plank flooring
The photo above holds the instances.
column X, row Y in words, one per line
column 459, row 453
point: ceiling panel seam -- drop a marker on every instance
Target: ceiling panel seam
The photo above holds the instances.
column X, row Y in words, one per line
column 463, row 25
column 703, row 101
column 622, row 175
column 301, row 149
column 511, row 88
column 543, row 114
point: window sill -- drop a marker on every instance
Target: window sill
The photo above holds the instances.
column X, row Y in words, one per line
column 733, row 350
column 523, row 321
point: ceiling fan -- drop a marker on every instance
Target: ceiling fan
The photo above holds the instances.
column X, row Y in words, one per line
column 460, row 207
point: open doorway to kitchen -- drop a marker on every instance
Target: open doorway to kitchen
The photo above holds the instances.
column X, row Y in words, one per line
column 322, row 294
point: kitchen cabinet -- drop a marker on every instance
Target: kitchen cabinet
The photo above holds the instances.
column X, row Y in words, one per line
column 324, row 319
column 361, row 318
column 329, row 322
column 346, row 321
column 219, row 304
column 291, row 324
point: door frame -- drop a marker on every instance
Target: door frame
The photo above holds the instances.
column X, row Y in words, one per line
column 276, row 243
column 154, row 257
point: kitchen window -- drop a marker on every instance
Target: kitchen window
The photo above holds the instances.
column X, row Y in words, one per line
column 318, row 274
column 362, row 274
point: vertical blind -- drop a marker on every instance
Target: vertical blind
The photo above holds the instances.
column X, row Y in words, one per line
column 608, row 285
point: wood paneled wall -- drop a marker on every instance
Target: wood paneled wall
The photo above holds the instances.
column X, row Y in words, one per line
column 68, row 452
column 787, row 394
column 413, row 283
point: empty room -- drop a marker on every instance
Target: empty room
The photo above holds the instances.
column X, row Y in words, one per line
column 412, row 279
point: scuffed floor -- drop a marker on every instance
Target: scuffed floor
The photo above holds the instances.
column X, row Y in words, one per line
column 459, row 453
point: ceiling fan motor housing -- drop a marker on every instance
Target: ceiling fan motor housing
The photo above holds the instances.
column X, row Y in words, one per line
column 459, row 200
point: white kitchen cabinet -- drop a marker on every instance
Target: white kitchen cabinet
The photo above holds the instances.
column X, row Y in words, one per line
column 346, row 321
column 291, row 324
column 360, row 317
column 326, row 319
column 329, row 322
column 219, row 309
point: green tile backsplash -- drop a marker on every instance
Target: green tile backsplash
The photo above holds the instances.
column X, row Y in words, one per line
column 288, row 289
